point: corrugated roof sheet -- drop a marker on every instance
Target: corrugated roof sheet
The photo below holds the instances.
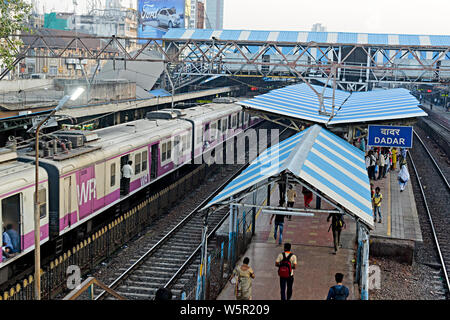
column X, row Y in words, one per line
column 307, row 36
column 322, row 159
column 300, row 101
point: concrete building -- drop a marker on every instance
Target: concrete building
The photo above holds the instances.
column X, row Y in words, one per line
column 197, row 15
column 214, row 14
column 43, row 68
column 318, row 27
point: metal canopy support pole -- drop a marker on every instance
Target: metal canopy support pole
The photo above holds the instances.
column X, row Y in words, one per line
column 230, row 235
column 254, row 212
column 201, row 278
column 365, row 263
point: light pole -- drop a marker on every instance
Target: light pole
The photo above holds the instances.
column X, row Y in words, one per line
column 37, row 221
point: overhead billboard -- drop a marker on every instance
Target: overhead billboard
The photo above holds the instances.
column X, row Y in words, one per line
column 157, row 16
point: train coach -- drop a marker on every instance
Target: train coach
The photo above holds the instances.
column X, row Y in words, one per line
column 17, row 191
column 80, row 171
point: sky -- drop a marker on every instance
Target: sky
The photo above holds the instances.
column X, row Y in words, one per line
column 376, row 16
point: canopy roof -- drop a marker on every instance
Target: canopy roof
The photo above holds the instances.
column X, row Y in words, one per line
column 323, row 160
column 376, row 39
column 301, row 102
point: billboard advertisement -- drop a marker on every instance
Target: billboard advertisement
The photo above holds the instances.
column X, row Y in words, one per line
column 157, row 16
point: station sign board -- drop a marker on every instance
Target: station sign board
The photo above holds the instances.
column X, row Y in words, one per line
column 390, row 136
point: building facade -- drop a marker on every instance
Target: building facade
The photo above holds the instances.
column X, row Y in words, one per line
column 214, row 14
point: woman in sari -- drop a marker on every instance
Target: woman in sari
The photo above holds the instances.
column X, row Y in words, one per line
column 403, row 176
column 244, row 275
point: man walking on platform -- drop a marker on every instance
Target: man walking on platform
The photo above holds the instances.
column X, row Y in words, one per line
column 291, row 194
column 286, row 263
column 337, row 223
column 377, row 199
column 339, row 291
column 279, row 221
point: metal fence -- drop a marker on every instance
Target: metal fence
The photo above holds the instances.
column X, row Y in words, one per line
column 223, row 253
column 105, row 240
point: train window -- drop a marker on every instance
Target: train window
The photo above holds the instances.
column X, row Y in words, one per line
column 185, row 142
column 213, row 131
column 42, row 197
column 137, row 163
column 233, row 121
column 199, row 135
column 113, row 174
column 169, row 149
column 225, row 124
column 219, row 125
column 163, row 152
column 144, row 160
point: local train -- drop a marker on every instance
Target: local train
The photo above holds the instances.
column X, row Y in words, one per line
column 80, row 171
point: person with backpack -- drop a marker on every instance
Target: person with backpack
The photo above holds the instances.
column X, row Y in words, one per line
column 337, row 224
column 286, row 263
column 339, row 291
column 244, row 275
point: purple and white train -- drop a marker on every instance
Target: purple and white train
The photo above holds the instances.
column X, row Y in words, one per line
column 80, row 171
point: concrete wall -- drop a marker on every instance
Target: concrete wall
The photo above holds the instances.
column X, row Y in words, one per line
column 25, row 84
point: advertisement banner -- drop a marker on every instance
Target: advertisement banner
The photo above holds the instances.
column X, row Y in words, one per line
column 390, row 136
column 157, row 16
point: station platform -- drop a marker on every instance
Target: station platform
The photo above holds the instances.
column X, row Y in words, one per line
column 311, row 243
column 398, row 209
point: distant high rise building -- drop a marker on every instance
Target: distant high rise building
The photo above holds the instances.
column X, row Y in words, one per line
column 318, row 27
column 197, row 17
column 214, row 14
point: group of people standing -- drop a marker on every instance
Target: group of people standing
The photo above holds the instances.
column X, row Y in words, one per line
column 381, row 160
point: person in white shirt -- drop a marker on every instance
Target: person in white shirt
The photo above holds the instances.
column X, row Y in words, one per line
column 127, row 172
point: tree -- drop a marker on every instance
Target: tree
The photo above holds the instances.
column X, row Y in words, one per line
column 13, row 18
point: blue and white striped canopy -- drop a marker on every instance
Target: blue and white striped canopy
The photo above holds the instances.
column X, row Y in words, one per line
column 332, row 165
column 311, row 36
column 300, row 101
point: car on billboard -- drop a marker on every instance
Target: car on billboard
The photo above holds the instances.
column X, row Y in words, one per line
column 168, row 17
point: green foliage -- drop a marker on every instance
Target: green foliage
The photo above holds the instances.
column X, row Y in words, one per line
column 13, row 18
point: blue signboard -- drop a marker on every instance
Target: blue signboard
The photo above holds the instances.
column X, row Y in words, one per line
column 390, row 136
column 157, row 16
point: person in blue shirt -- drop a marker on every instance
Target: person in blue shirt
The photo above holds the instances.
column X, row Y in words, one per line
column 15, row 238
column 339, row 291
column 7, row 240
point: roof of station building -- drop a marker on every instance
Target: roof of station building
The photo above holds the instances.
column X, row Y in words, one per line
column 301, row 102
column 315, row 155
column 376, row 39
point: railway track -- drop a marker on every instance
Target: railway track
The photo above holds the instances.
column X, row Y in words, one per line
column 434, row 203
column 172, row 260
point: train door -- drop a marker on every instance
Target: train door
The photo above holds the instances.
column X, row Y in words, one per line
column 154, row 161
column 68, row 201
column 123, row 161
column 12, row 222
